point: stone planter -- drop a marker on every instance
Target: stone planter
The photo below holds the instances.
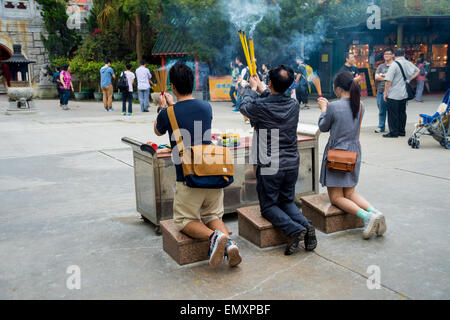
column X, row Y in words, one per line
column 118, row 96
column 81, row 95
column 89, row 93
column 98, row 96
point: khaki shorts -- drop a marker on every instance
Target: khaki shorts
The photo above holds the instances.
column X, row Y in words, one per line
column 195, row 204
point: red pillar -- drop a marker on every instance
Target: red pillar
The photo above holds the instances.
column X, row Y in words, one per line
column 163, row 63
column 197, row 81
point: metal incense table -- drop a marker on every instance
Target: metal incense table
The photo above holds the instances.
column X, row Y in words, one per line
column 154, row 176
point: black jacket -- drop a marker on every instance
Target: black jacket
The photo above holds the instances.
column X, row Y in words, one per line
column 269, row 112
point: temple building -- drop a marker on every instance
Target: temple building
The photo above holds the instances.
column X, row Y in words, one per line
column 21, row 23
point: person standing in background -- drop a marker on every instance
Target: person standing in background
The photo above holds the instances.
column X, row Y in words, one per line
column 349, row 65
column 241, row 82
column 57, row 82
column 234, row 78
column 144, row 80
column 302, row 90
column 395, row 93
column 106, row 76
column 427, row 71
column 66, row 84
column 127, row 95
column 380, row 75
column 421, row 78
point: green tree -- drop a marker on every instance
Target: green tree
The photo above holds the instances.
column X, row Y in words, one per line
column 60, row 40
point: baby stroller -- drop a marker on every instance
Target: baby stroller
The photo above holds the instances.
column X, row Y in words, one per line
column 436, row 125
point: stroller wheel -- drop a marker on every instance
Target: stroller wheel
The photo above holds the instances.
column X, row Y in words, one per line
column 417, row 144
column 443, row 142
column 410, row 141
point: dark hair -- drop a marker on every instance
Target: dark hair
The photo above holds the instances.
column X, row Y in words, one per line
column 58, row 68
column 65, row 67
column 128, row 66
column 344, row 80
column 347, row 55
column 399, row 52
column 107, row 61
column 238, row 59
column 420, row 60
column 281, row 81
column 142, row 62
column 182, row 78
column 388, row 49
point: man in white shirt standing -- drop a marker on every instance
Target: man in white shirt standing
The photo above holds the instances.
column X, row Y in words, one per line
column 395, row 93
column 144, row 81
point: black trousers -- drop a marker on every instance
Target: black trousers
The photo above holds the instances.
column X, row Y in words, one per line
column 127, row 96
column 396, row 116
column 276, row 195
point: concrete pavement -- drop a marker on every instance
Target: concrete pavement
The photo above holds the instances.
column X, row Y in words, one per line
column 67, row 198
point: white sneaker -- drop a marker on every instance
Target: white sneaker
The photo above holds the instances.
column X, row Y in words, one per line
column 381, row 223
column 217, row 243
column 232, row 253
column 370, row 226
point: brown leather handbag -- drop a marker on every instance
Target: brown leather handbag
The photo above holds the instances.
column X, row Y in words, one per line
column 341, row 160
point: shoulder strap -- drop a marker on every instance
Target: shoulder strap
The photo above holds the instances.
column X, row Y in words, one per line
column 360, row 120
column 401, row 69
column 175, row 128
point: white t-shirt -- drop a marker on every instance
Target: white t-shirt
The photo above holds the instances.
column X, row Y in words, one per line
column 143, row 76
column 130, row 77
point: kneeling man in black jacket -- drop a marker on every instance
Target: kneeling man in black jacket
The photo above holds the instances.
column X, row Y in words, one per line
column 274, row 115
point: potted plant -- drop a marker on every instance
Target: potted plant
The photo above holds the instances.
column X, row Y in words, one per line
column 118, row 67
column 79, row 67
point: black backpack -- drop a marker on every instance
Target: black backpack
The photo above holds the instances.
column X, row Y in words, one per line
column 122, row 84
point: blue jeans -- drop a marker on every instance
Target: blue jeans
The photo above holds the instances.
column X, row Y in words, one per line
column 238, row 100
column 382, row 107
column 419, row 90
column 143, row 96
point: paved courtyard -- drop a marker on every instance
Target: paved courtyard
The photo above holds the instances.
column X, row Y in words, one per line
column 67, row 198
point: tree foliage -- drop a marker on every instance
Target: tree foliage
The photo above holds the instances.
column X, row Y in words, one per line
column 60, row 40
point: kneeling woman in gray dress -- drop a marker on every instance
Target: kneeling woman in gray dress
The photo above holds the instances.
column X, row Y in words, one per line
column 342, row 119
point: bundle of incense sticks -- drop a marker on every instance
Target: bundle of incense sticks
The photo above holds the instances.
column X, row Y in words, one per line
column 161, row 78
column 249, row 54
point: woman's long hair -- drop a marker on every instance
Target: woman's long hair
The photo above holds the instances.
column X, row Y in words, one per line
column 344, row 80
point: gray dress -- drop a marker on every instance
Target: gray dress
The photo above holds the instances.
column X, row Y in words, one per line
column 338, row 119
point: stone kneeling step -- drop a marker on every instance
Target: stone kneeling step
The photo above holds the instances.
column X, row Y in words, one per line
column 258, row 230
column 326, row 217
column 182, row 248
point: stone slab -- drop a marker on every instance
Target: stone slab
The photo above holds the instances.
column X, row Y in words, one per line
column 258, row 230
column 326, row 217
column 180, row 247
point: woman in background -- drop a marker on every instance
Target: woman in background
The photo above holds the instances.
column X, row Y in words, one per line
column 66, row 85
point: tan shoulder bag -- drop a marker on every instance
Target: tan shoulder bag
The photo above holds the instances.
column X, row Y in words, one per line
column 341, row 160
column 204, row 166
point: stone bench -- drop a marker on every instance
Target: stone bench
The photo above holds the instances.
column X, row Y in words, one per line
column 256, row 229
column 326, row 217
column 182, row 248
